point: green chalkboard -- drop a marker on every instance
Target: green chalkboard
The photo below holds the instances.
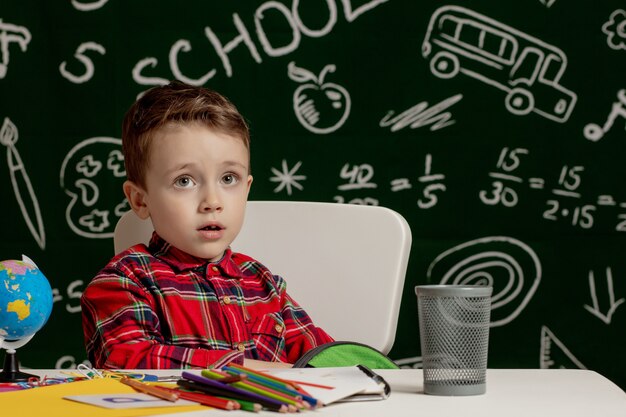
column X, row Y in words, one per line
column 497, row 129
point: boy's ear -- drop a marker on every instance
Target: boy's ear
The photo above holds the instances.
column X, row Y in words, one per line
column 136, row 196
column 249, row 183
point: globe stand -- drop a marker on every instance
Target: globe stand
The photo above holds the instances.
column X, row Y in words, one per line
column 11, row 369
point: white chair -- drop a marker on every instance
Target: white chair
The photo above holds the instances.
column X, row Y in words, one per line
column 345, row 264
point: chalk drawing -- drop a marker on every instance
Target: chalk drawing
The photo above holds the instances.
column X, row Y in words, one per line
column 92, row 174
column 87, row 7
column 508, row 265
column 554, row 354
column 547, row 3
column 85, row 60
column 320, row 107
column 22, row 187
column 615, row 30
column 414, row 362
column 287, row 178
column 613, row 304
column 595, row 132
column 10, row 33
column 420, row 115
column 527, row 69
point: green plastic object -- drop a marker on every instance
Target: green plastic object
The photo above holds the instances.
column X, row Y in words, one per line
column 338, row 354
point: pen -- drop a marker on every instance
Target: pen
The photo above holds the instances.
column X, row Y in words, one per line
column 150, row 390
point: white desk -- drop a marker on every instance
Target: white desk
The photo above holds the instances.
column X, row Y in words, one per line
column 510, row 393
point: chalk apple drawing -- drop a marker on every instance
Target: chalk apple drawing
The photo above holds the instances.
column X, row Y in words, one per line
column 320, row 107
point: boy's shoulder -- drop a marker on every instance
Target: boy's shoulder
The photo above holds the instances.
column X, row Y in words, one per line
column 250, row 267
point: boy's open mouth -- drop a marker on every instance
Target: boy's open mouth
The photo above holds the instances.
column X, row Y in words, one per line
column 211, row 227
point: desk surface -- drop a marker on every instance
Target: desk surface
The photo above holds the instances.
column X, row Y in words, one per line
column 510, row 392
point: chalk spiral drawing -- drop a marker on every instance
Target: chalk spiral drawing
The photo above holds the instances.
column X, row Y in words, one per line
column 420, row 115
column 287, row 177
column 85, row 60
column 92, row 174
column 508, row 265
column 10, row 33
column 321, row 107
column 22, row 187
column 595, row 132
column 613, row 304
column 615, row 30
column 526, row 68
column 553, row 353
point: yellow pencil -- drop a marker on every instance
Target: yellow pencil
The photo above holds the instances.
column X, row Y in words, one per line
column 150, row 390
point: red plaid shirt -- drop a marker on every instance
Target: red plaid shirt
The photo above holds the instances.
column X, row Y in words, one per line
column 158, row 307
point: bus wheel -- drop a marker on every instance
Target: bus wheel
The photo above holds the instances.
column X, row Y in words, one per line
column 444, row 65
column 519, row 102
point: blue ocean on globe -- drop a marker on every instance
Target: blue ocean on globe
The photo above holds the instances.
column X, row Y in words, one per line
column 25, row 300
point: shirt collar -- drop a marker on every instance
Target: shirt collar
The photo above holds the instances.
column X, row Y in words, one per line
column 183, row 261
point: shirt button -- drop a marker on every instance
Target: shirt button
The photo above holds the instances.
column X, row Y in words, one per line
column 278, row 328
column 226, row 300
column 215, row 269
column 241, row 347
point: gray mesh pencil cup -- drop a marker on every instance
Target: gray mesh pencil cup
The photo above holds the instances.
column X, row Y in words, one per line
column 454, row 337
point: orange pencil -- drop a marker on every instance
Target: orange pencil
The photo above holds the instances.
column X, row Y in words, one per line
column 155, row 391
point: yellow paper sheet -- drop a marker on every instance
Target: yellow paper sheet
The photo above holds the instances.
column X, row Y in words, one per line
column 49, row 402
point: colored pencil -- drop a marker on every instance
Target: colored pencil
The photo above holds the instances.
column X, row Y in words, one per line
column 155, row 391
column 216, row 388
column 205, row 399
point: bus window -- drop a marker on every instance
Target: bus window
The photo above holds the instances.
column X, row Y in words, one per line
column 448, row 25
column 526, row 68
column 470, row 35
column 552, row 69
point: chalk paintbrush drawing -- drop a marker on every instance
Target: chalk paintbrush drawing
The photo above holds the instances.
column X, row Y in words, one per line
column 527, row 69
column 22, row 186
column 421, row 115
column 508, row 265
column 595, row 132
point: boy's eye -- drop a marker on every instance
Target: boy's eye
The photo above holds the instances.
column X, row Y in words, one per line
column 183, row 182
column 229, row 179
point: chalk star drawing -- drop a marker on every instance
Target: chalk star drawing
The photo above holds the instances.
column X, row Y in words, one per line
column 287, row 178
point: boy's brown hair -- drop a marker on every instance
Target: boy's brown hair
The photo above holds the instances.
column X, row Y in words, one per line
column 174, row 103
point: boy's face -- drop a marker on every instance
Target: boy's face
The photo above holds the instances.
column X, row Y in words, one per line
column 197, row 184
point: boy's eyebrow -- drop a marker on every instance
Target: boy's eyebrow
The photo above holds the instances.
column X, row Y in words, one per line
column 235, row 163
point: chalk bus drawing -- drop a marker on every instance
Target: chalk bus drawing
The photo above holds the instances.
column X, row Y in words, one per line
column 420, row 115
column 526, row 68
column 613, row 304
column 11, row 33
column 85, row 60
column 22, row 187
column 553, row 354
column 320, row 107
column 595, row 132
column 287, row 178
column 92, row 174
column 615, row 30
column 510, row 266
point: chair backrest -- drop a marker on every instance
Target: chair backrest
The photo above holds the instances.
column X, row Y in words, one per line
column 345, row 264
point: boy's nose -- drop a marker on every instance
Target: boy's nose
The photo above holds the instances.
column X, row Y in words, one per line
column 211, row 202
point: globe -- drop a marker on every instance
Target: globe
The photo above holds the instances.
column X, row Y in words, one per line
column 25, row 300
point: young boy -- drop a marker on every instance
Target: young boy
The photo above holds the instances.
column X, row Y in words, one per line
column 186, row 300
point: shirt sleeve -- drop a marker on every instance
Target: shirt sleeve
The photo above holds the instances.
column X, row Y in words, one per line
column 301, row 335
column 121, row 329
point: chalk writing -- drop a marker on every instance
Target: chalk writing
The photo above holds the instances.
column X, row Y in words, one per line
column 508, row 161
column 85, row 60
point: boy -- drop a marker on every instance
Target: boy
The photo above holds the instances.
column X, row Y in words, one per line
column 186, row 300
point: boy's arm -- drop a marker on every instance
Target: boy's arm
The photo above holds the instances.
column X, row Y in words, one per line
column 122, row 330
column 301, row 335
